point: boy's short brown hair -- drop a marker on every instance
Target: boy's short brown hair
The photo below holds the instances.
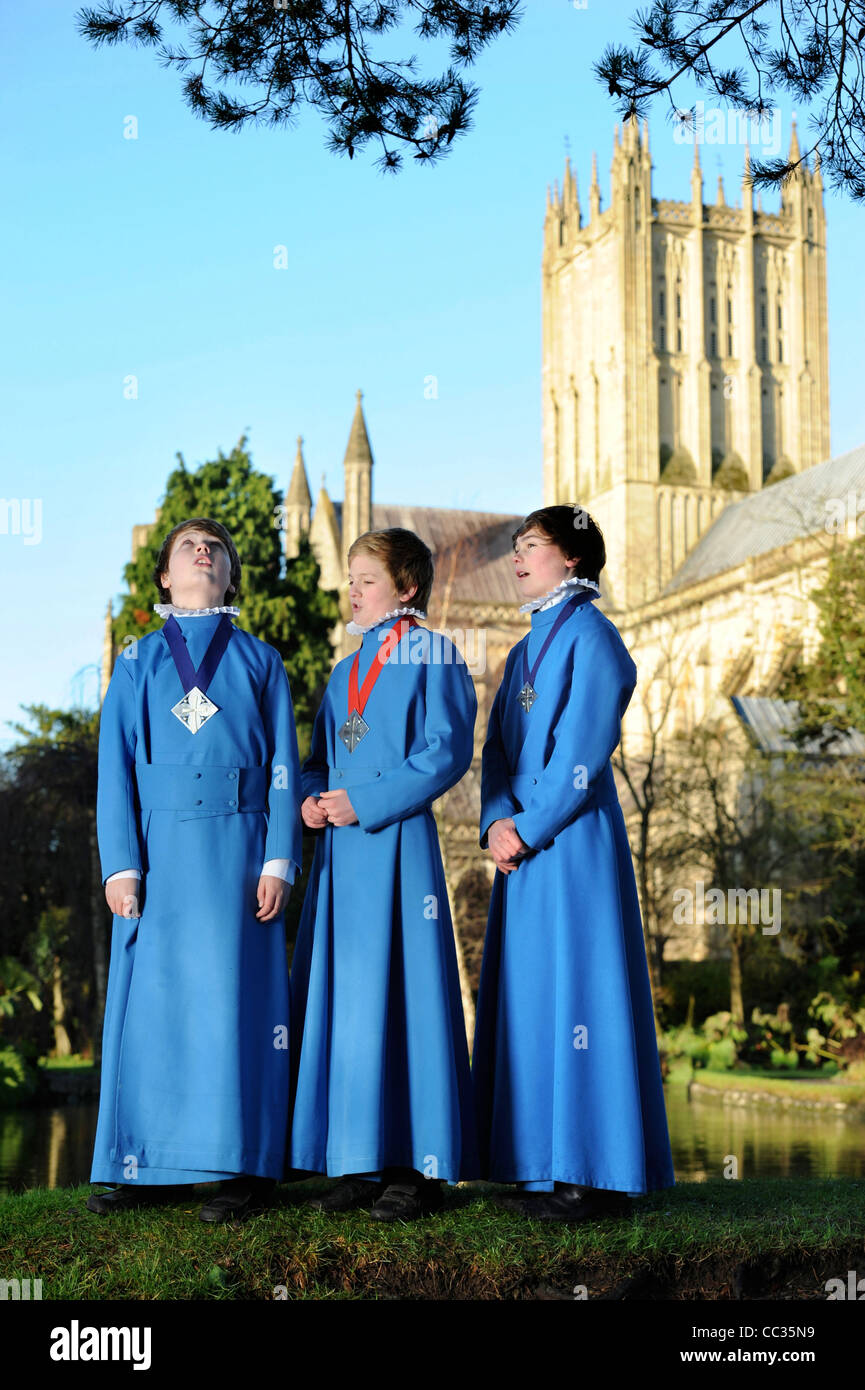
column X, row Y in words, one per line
column 210, row 528
column 574, row 532
column 405, row 557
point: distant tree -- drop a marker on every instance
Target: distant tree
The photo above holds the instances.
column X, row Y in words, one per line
column 830, row 688
column 830, row 693
column 50, row 921
column 316, row 53
column 807, row 49
column 290, row 611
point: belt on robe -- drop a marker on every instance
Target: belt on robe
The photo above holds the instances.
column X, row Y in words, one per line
column 603, row 793
column 187, row 787
column 338, row 777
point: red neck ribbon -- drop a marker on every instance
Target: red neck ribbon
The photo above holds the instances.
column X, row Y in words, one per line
column 357, row 699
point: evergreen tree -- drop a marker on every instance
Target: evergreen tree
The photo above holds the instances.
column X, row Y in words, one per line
column 316, row 53
column 830, row 691
column 811, row 52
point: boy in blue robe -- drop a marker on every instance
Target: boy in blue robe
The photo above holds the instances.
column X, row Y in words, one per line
column 383, row 1089
column 566, row 1071
column 199, row 836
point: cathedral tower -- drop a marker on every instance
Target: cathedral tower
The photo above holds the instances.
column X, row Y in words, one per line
column 685, row 355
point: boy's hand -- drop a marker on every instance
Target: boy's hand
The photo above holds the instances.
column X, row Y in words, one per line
column 272, row 895
column 122, row 896
column 506, row 847
column 313, row 813
column 338, row 807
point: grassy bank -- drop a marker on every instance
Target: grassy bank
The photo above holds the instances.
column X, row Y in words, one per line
column 784, row 1087
column 758, row 1238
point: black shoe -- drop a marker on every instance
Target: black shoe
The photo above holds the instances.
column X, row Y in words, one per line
column 350, row 1192
column 237, row 1198
column 130, row 1198
column 576, row 1204
column 403, row 1201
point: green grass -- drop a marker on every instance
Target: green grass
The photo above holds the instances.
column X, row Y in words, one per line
column 784, row 1237
column 73, row 1063
column 852, row 1092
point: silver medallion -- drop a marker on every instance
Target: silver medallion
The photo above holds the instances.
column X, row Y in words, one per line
column 527, row 696
column 353, row 730
column 194, row 709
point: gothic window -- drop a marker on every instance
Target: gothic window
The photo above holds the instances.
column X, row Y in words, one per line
column 780, row 315
column 729, row 345
column 810, row 224
column 662, row 335
column 662, row 302
column 763, row 314
column 678, row 305
column 713, row 317
column 714, row 345
column 678, row 340
column 780, row 351
column 765, row 351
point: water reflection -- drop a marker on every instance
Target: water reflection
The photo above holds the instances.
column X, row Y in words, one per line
column 768, row 1142
column 53, row 1147
column 43, row 1146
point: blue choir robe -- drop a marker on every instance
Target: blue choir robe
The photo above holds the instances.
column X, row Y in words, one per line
column 379, row 1040
column 195, row 1053
column 565, row 1065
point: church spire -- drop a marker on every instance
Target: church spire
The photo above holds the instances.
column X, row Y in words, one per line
column 795, row 152
column 747, row 189
column 298, row 505
column 595, row 189
column 357, row 468
column 571, row 198
column 298, row 488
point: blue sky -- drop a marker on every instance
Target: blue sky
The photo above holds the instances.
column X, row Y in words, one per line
column 154, row 257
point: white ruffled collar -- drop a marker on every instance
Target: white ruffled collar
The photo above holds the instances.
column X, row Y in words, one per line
column 355, row 629
column 170, row 610
column 557, row 595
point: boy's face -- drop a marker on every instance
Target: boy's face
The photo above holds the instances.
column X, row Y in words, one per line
column 198, row 571
column 540, row 565
column 371, row 590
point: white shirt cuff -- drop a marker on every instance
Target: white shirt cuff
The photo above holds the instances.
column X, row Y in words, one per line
column 124, row 873
column 278, row 868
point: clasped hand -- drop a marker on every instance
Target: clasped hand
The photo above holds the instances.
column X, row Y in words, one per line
column 505, row 845
column 330, row 808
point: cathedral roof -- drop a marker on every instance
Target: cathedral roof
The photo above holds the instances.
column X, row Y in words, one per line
column 771, row 721
column 475, row 548
column 775, row 516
